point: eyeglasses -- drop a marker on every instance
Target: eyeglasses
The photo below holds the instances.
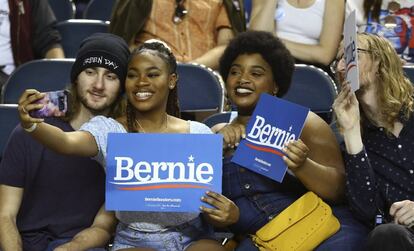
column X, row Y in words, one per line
column 180, row 12
column 333, row 66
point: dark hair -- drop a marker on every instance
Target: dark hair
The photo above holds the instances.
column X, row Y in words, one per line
column 168, row 57
column 372, row 7
column 269, row 47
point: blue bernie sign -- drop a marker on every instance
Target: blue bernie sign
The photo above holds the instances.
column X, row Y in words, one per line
column 162, row 172
column 274, row 122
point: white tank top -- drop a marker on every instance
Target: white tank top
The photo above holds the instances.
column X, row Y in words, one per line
column 6, row 54
column 302, row 25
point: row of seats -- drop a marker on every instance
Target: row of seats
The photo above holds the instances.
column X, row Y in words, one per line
column 74, row 31
column 96, row 9
column 200, row 89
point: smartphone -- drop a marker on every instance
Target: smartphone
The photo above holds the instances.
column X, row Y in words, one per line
column 55, row 105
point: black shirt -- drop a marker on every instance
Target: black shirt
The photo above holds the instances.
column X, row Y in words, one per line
column 62, row 193
column 382, row 173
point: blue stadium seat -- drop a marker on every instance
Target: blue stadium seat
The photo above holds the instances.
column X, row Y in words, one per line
column 313, row 88
column 73, row 31
column 199, row 89
column 42, row 74
column 63, row 9
column 409, row 72
column 217, row 118
column 9, row 118
column 247, row 10
column 99, row 10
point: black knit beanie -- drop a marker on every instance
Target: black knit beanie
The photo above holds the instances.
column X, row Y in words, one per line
column 102, row 50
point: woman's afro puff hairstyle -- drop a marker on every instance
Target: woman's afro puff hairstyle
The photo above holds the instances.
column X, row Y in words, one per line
column 269, row 47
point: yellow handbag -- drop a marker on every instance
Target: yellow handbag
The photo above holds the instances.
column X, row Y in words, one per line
column 302, row 226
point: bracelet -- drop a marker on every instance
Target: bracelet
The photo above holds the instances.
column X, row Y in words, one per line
column 31, row 128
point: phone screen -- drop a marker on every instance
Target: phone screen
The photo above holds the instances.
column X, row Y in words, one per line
column 55, row 105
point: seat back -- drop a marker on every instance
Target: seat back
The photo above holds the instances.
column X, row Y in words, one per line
column 313, row 88
column 409, row 72
column 63, row 9
column 9, row 118
column 99, row 10
column 199, row 89
column 42, row 74
column 217, row 118
column 73, row 31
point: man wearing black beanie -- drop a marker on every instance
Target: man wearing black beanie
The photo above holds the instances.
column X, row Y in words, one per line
column 43, row 207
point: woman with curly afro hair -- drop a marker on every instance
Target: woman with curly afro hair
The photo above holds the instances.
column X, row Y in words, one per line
column 255, row 63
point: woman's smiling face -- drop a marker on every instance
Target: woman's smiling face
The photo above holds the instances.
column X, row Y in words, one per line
column 148, row 81
column 249, row 76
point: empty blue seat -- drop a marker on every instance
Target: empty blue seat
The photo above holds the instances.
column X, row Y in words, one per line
column 42, row 74
column 9, row 118
column 409, row 72
column 217, row 118
column 199, row 89
column 73, row 31
column 99, row 9
column 63, row 9
column 313, row 88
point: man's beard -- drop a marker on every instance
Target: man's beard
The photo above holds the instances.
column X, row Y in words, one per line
column 95, row 111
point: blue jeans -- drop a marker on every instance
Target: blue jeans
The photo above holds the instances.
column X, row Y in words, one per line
column 175, row 238
column 391, row 236
column 56, row 243
column 260, row 199
column 351, row 236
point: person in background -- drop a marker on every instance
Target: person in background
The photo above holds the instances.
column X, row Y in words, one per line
column 310, row 29
column 27, row 32
column 196, row 31
column 256, row 62
column 152, row 107
column 388, row 18
column 48, row 199
column 377, row 124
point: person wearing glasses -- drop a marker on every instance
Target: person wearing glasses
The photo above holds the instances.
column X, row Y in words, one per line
column 196, row 31
column 377, row 125
column 310, row 29
column 389, row 18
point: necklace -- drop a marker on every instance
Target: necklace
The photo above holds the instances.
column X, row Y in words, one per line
column 164, row 122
